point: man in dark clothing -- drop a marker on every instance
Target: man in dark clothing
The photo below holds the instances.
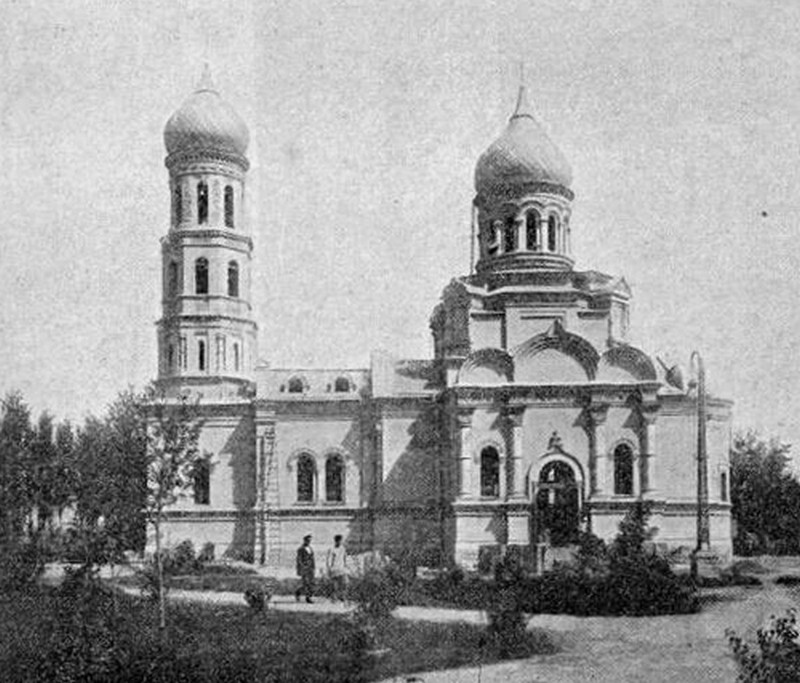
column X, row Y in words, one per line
column 305, row 570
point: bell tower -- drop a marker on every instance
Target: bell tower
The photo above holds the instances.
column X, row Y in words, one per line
column 206, row 334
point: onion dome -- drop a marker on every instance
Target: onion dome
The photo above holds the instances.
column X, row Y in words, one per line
column 206, row 122
column 523, row 154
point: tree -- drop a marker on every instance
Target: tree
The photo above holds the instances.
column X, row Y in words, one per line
column 110, row 456
column 171, row 454
column 765, row 496
column 15, row 480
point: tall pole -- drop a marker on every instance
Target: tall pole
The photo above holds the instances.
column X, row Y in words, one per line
column 703, row 534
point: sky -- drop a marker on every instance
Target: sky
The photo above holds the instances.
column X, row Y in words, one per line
column 680, row 121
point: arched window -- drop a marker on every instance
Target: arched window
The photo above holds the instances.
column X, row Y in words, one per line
column 623, row 470
column 510, row 235
column 490, row 473
column 295, row 385
column 236, row 356
column 531, row 231
column 201, row 355
column 201, row 276
column 551, row 233
column 341, row 385
column 334, row 479
column 228, row 206
column 723, row 487
column 177, row 204
column 305, row 479
column 202, row 203
column 202, row 482
column 172, row 279
column 233, row 279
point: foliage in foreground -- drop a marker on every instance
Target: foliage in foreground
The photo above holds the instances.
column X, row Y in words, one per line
column 776, row 655
column 85, row 632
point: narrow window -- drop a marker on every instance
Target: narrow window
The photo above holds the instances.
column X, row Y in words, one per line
column 172, row 279
column 221, row 361
column 202, row 203
column 623, row 470
column 493, row 238
column 182, row 356
column 723, row 487
column 551, row 233
column 295, row 385
column 228, row 206
column 490, row 473
column 233, row 279
column 201, row 276
column 201, row 355
column 510, row 236
column 305, row 479
column 341, row 385
column 334, row 479
column 236, row 356
column 177, row 199
column 170, row 357
column 531, row 230
column 202, row 483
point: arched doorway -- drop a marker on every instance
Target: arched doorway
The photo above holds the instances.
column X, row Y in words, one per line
column 557, row 504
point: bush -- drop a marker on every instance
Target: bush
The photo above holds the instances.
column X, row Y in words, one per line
column 788, row 580
column 21, row 565
column 378, row 592
column 507, row 627
column 256, row 598
column 181, row 560
column 206, row 553
column 777, row 659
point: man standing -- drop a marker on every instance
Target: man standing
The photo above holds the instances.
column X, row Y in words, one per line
column 305, row 570
column 336, row 563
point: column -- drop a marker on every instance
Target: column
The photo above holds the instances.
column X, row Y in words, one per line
column 514, row 415
column 647, row 466
column 464, row 422
column 598, row 461
column 264, row 475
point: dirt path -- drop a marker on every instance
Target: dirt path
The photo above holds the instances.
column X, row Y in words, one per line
column 659, row 649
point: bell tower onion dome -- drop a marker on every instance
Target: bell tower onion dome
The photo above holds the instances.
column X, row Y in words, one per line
column 206, row 123
column 522, row 154
column 523, row 201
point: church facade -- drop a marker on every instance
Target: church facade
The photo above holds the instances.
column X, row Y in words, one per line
column 537, row 416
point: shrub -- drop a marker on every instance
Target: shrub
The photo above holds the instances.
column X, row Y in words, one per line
column 206, row 553
column 256, row 598
column 507, row 624
column 378, row 592
column 777, row 659
column 788, row 580
column 239, row 554
column 181, row 560
column 21, row 565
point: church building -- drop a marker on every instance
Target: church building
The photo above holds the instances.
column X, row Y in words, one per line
column 537, row 416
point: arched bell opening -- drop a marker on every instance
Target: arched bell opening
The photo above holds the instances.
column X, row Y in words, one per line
column 557, row 499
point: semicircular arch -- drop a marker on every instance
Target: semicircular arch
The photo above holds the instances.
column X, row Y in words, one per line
column 488, row 366
column 625, row 364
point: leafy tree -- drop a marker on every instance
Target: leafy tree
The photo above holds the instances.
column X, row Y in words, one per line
column 765, row 496
column 16, row 496
column 110, row 455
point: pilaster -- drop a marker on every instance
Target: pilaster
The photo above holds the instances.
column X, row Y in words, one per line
column 464, row 426
column 595, row 414
column 648, row 461
column 514, row 418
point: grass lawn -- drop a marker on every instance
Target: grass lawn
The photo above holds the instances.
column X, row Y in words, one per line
column 46, row 635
